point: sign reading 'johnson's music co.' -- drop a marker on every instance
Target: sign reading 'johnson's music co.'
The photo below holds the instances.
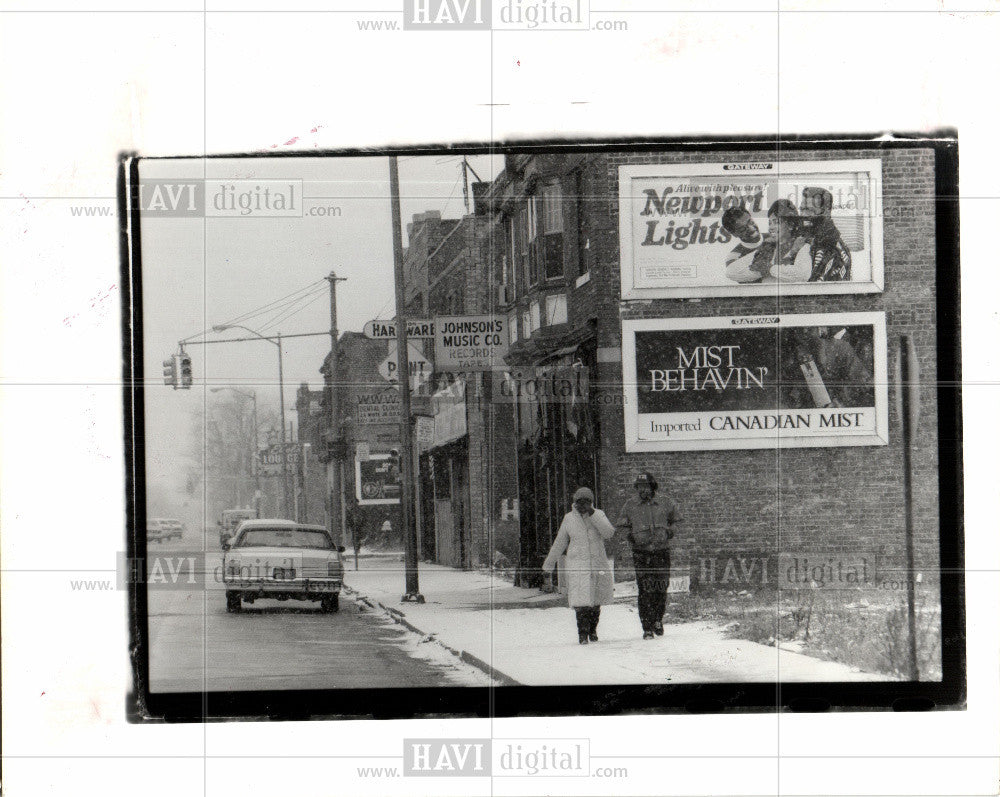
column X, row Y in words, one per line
column 465, row 343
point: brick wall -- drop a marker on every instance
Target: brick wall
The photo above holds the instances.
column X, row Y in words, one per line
column 357, row 374
column 847, row 499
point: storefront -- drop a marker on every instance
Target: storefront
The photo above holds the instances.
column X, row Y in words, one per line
column 557, row 435
column 445, row 505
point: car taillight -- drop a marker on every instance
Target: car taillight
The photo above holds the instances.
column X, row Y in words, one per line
column 333, row 568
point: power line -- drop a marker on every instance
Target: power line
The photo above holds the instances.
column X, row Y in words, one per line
column 271, row 305
column 295, row 310
column 279, row 310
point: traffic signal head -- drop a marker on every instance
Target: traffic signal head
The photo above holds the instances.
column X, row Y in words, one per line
column 170, row 371
column 185, row 369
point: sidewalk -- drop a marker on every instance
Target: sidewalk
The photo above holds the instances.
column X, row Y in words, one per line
column 528, row 637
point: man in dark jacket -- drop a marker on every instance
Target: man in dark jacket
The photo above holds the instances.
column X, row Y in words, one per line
column 650, row 524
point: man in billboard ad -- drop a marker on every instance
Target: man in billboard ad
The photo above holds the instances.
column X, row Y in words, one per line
column 692, row 230
column 755, row 382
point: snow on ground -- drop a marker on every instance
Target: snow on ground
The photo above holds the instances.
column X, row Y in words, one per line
column 531, row 637
column 425, row 648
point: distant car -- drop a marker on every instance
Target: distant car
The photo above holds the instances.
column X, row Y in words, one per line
column 163, row 529
column 283, row 560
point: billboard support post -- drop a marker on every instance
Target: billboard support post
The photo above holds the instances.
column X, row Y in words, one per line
column 909, row 402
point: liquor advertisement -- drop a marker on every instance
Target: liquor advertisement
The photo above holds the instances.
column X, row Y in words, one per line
column 755, row 382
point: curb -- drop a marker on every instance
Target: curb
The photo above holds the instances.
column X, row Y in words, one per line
column 463, row 655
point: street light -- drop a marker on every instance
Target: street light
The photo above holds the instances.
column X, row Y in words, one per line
column 281, row 392
column 252, row 395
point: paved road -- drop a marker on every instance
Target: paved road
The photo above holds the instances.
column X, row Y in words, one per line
column 195, row 645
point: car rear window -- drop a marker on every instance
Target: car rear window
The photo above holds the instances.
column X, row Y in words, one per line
column 284, row 538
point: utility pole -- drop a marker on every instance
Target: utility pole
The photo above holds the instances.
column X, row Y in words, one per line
column 466, row 168
column 412, row 593
column 284, row 442
column 337, row 461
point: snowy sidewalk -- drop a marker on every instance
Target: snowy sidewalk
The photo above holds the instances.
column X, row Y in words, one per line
column 529, row 637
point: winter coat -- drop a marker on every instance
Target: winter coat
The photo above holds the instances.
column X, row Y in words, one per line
column 588, row 571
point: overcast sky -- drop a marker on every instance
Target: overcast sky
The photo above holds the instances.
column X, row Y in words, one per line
column 197, row 273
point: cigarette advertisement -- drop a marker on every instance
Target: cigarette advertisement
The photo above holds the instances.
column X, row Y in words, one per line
column 755, row 382
column 751, row 228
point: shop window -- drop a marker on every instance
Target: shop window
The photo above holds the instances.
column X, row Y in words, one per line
column 526, row 324
column 535, row 315
column 442, row 480
column 512, row 327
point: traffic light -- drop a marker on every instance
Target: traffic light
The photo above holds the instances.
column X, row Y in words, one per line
column 170, row 371
column 185, row 361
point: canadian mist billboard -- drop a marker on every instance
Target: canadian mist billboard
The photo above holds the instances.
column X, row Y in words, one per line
column 752, row 228
column 755, row 382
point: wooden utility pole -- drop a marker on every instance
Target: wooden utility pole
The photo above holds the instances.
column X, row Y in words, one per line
column 412, row 593
column 335, row 439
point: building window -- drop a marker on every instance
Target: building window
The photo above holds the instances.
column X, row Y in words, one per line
column 555, row 309
column 535, row 317
column 519, row 246
column 526, row 324
column 512, row 327
column 586, row 211
column 551, row 246
column 508, row 260
column 533, row 230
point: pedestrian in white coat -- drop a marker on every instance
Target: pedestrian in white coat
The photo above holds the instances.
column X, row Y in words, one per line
column 588, row 570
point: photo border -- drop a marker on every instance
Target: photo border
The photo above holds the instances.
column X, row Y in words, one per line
column 950, row 693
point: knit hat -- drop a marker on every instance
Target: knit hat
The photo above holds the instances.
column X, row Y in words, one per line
column 583, row 492
column 645, row 478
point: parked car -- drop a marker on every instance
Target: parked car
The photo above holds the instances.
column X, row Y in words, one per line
column 283, row 560
column 163, row 529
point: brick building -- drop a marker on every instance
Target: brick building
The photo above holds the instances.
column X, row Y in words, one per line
column 556, row 259
column 466, row 477
column 310, row 476
column 368, row 413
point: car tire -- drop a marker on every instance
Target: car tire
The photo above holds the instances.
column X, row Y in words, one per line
column 330, row 603
column 234, row 602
